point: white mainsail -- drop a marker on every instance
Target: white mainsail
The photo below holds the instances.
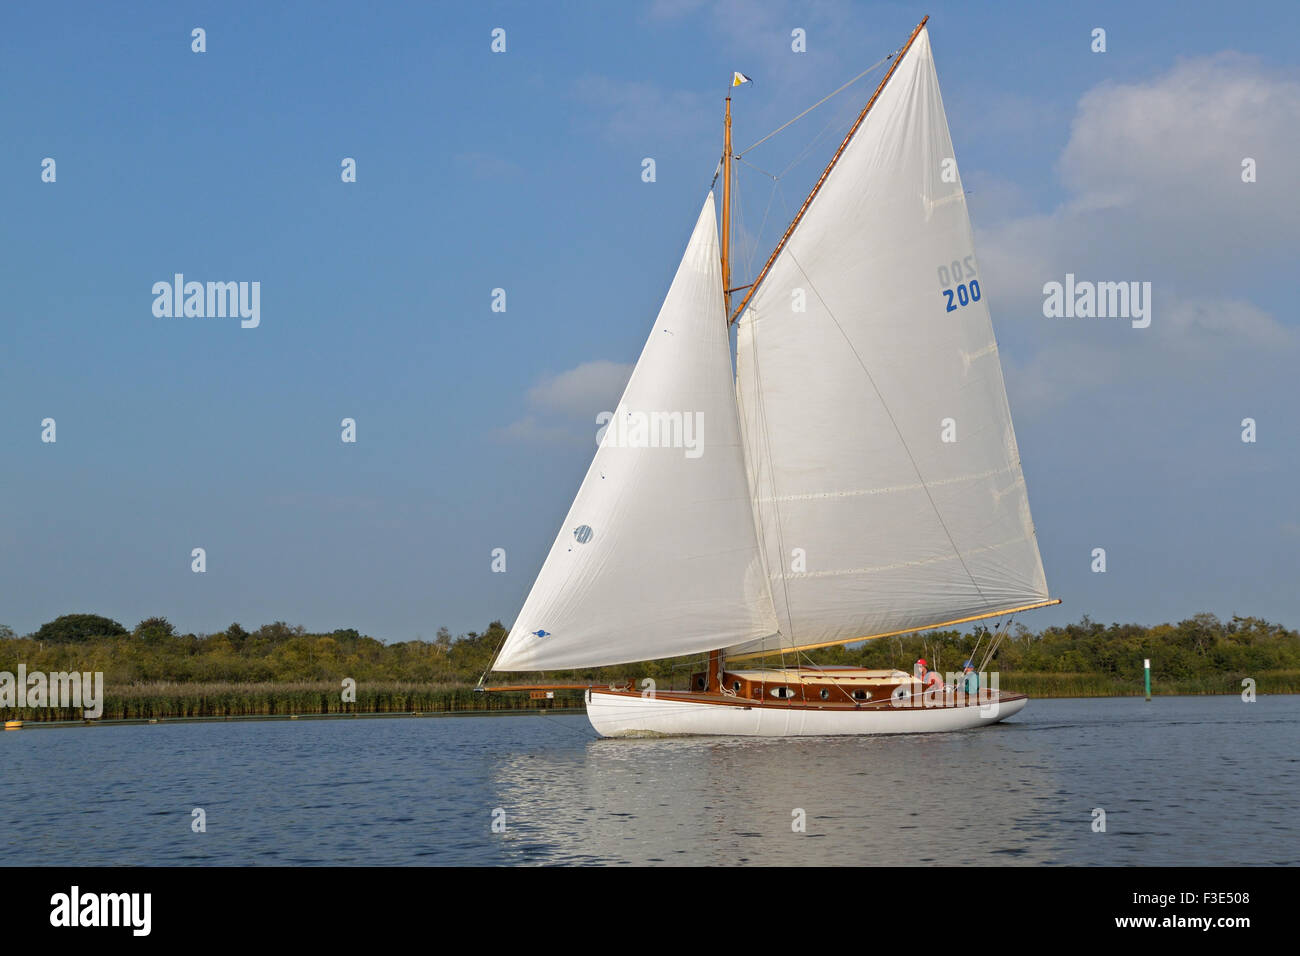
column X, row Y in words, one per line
column 884, row 468
column 658, row 555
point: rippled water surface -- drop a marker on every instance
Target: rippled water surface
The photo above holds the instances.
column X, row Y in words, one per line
column 1204, row 780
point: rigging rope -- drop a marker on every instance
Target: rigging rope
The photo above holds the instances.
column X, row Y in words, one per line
column 749, row 265
column 752, row 166
column 980, row 632
column 813, row 144
column 993, row 645
column 492, row 660
column 738, row 215
column 717, row 169
column 804, row 154
column 873, row 66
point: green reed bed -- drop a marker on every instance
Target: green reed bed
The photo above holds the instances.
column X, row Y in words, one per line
column 1101, row 685
column 183, row 700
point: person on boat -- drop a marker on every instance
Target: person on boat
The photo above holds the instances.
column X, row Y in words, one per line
column 927, row 677
column 971, row 682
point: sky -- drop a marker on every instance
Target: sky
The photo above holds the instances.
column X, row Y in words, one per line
column 522, row 170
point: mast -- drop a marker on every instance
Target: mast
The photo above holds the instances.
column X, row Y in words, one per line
column 713, row 671
column 726, row 208
column 753, row 287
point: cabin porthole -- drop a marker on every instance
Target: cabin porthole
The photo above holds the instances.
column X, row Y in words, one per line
column 826, row 694
column 735, row 685
column 859, row 695
column 699, row 683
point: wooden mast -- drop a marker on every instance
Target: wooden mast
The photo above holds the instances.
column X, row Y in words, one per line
column 713, row 673
column 726, row 208
column 753, row 287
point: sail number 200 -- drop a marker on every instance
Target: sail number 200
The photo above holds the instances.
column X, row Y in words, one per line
column 961, row 272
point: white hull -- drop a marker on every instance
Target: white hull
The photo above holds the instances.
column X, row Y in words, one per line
column 625, row 715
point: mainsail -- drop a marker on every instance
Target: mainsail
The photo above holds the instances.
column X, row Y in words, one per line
column 883, row 466
column 658, row 555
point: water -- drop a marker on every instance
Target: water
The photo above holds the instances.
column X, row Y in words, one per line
column 1197, row 780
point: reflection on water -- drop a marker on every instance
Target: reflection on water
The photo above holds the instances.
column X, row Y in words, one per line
column 866, row 800
column 1182, row 781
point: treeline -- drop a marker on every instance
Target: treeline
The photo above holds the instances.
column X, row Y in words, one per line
column 1201, row 646
column 274, row 653
column 151, row 670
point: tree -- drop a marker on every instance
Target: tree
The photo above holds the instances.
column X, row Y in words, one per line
column 77, row 628
column 153, row 630
column 236, row 635
column 278, row 633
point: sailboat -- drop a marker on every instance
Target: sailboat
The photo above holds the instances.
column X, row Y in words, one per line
column 855, row 475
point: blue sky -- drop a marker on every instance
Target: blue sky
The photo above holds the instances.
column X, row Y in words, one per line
column 522, row 171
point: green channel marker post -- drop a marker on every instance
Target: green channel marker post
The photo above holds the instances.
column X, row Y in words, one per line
column 1146, row 670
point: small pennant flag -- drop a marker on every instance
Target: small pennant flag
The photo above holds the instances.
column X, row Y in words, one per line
column 738, row 78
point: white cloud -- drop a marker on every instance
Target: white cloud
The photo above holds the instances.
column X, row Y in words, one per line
column 565, row 406
column 1173, row 148
column 529, row 429
column 1154, row 193
column 1153, row 173
column 1186, row 340
column 582, row 391
column 1209, row 329
column 993, row 199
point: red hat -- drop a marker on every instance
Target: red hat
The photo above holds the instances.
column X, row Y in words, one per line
column 922, row 661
